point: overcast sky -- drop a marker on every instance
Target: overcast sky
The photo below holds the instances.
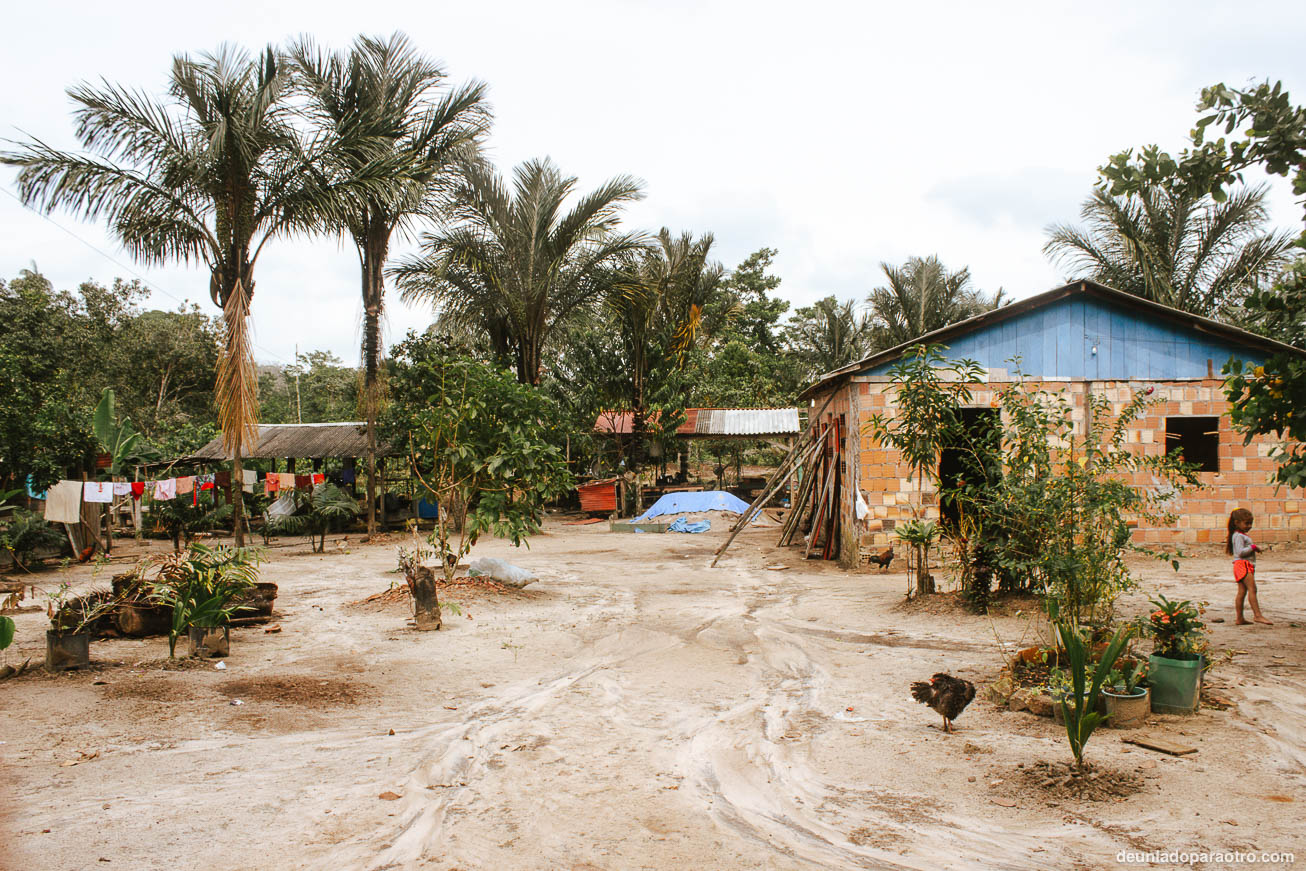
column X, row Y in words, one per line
column 842, row 134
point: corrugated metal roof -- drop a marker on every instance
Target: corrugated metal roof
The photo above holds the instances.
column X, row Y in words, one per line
column 303, row 440
column 715, row 422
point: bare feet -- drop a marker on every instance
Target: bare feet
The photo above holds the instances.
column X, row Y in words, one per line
column 1264, row 621
column 1242, row 622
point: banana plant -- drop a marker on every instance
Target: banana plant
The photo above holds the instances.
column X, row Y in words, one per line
column 120, row 439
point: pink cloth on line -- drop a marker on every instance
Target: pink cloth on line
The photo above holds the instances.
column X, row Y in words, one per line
column 185, row 486
column 165, row 489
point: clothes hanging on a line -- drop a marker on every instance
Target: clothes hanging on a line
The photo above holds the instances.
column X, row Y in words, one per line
column 137, row 488
column 165, row 489
column 319, row 478
column 185, row 486
column 95, row 491
column 249, row 478
column 287, row 480
column 63, row 502
column 122, row 488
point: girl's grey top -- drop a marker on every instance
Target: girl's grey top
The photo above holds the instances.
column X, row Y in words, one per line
column 1243, row 547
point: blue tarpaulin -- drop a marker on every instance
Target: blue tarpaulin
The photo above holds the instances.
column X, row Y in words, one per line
column 682, row 524
column 680, row 503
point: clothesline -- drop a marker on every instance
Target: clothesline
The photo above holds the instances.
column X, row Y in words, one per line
column 63, row 501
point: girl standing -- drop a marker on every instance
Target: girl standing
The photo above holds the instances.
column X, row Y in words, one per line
column 1240, row 546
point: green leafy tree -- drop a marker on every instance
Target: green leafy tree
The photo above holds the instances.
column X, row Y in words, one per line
column 825, row 336
column 316, row 388
column 386, row 108
column 316, row 511
column 1176, row 247
column 922, row 296
column 479, row 444
column 517, row 263
column 119, row 437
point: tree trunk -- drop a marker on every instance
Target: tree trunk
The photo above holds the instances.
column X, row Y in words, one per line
column 426, row 604
column 373, row 254
column 238, row 503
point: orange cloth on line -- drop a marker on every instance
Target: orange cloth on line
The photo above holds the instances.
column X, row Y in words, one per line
column 185, row 485
column 271, row 483
column 1241, row 568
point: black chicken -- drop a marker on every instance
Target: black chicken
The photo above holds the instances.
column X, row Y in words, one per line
column 946, row 694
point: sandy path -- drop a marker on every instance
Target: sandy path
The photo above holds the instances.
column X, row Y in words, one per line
column 633, row 710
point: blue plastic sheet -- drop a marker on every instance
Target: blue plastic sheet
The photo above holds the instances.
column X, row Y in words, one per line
column 681, row 503
column 682, row 524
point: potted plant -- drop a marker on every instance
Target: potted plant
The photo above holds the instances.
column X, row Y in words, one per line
column 204, row 587
column 68, row 640
column 1128, row 700
column 1176, row 664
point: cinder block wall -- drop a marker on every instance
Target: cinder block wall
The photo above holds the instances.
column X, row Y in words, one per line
column 1241, row 482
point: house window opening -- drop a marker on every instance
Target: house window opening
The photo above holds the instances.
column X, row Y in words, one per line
column 975, row 459
column 1196, row 439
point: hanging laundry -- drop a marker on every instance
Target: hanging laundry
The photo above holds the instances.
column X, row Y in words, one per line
column 287, row 480
column 31, row 493
column 138, row 489
column 185, row 486
column 319, row 478
column 122, row 488
column 63, row 502
column 165, row 489
column 303, row 481
column 248, row 479
column 222, row 479
column 272, row 483
column 347, row 475
column 94, row 491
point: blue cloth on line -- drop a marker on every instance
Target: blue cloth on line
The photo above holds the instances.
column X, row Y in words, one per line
column 681, row 524
column 427, row 510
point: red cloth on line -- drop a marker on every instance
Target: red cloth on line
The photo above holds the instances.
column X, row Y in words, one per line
column 138, row 487
column 207, row 485
column 319, row 478
column 271, row 484
column 303, row 481
column 1242, row 568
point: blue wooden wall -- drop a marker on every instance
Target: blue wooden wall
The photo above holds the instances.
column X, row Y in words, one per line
column 1057, row 340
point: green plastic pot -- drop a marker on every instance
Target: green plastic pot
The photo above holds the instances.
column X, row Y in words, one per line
column 1176, row 684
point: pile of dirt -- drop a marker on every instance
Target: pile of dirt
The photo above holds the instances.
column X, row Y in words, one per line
column 301, row 691
column 1061, row 780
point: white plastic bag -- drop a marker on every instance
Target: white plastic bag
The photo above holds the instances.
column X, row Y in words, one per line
column 503, row 572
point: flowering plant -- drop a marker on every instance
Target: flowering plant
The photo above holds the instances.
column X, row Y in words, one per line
column 1177, row 628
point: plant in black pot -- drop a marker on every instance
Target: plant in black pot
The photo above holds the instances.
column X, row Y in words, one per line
column 204, row 586
column 72, row 618
column 1177, row 661
column 1128, row 700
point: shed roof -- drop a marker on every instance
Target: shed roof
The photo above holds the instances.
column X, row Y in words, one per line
column 301, row 440
column 1145, row 308
column 708, row 423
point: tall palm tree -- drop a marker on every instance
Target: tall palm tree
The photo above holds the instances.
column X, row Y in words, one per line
column 516, row 260
column 826, row 335
column 209, row 175
column 922, row 296
column 384, row 108
column 1179, row 249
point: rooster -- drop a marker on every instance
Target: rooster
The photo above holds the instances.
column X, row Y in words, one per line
column 882, row 559
column 946, row 694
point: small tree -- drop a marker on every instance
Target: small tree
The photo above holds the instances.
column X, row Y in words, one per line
column 479, row 443
column 315, row 511
column 929, row 390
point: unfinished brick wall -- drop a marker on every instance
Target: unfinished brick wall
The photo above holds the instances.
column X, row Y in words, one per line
column 1241, row 482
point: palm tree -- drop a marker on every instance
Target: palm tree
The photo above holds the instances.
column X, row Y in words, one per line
column 384, row 109
column 210, row 175
column 1186, row 251
column 922, row 296
column 827, row 335
column 514, row 261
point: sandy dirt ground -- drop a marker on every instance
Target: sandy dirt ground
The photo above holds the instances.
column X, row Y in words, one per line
column 634, row 709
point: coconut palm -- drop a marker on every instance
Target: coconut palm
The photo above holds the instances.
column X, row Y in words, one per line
column 826, row 335
column 922, row 296
column 1182, row 250
column 515, row 262
column 384, row 108
column 209, row 175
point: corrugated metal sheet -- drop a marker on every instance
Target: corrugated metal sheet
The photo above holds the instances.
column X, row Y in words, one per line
column 598, row 495
column 303, row 440
column 715, row 423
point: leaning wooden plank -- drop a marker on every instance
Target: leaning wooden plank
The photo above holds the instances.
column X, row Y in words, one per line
column 755, row 507
column 1159, row 744
column 819, row 521
column 798, row 505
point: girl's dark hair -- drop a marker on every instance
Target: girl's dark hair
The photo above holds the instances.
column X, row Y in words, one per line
column 1237, row 516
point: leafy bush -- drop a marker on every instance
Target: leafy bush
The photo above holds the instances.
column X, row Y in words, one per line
column 1177, row 628
column 181, row 520
column 25, row 534
column 202, row 586
column 315, row 511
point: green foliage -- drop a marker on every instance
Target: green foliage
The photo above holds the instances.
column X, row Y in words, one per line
column 118, row 437
column 182, row 518
column 202, row 586
column 316, row 511
column 479, row 443
column 1127, row 681
column 6, row 632
column 25, row 533
column 317, row 388
column 921, row 296
column 73, row 615
column 1177, row 628
column 825, row 336
column 1085, row 685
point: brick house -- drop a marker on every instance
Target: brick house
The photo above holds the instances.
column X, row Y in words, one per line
column 1081, row 338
